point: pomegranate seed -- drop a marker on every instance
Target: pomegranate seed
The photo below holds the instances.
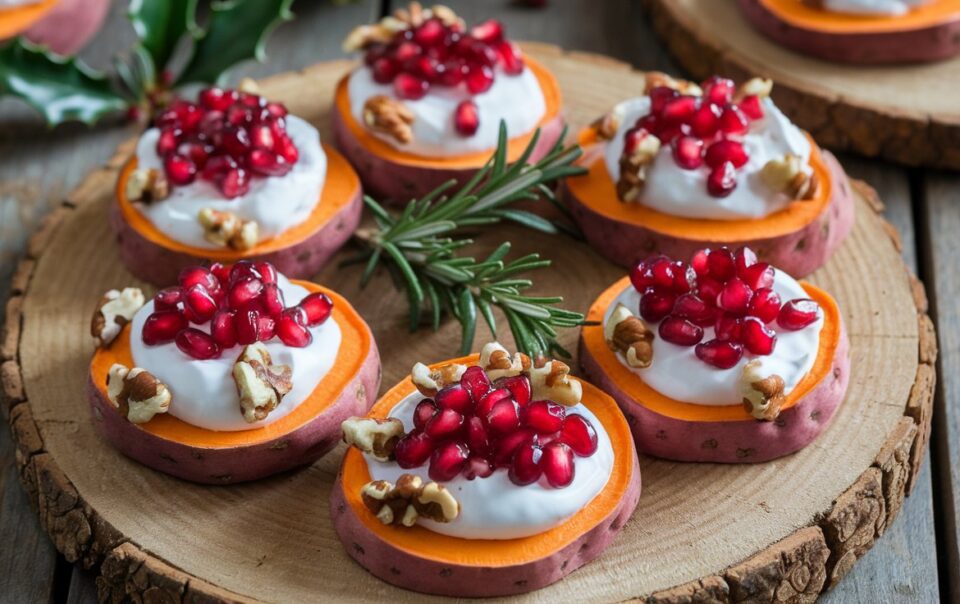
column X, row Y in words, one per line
column 722, row 354
column 406, row 51
column 759, row 275
column 222, row 329
column 268, row 274
column 244, row 292
column 502, row 418
column 641, row 276
column 384, row 70
column 236, row 141
column 451, row 73
column 217, row 166
column 475, row 381
column 700, row 262
column 477, row 438
column 477, row 467
column 687, row 152
column 167, row 142
column 429, row 33
column 221, row 272
column 198, row 275
column 272, row 299
column 505, row 448
column 291, row 328
column 722, row 180
column 318, row 307
column 162, row 326
column 655, row 304
column 267, row 163
column 706, row 121
column 519, row 386
column 180, row 170
column 217, row 98
column 692, row 307
column 632, row 139
column 718, row 90
column 510, row 57
column 488, row 400
column 733, row 121
column 466, row 120
column 679, row 110
column 413, row 450
column 428, row 68
column 424, row 411
column 661, row 272
column 200, row 305
column 168, row 299
column 798, row 313
column 525, row 468
column 667, row 133
column 721, row 264
column 557, row 464
column 728, row 327
column 684, row 278
column 488, row 32
column 751, row 107
column 410, row 87
column 266, row 328
column 261, row 137
column 242, row 270
column 659, row 97
column 287, row 149
column 545, row 417
column 579, row 434
column 726, row 151
column 744, row 258
column 709, row 290
column 454, row 397
column 235, row 182
column 246, row 324
column 680, row 331
column 197, row 344
column 447, row 461
column 765, row 304
column 735, row 297
column 757, row 337
column 445, row 424
column 277, row 110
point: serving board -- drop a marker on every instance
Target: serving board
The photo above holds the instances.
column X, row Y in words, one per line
column 777, row 531
column 904, row 113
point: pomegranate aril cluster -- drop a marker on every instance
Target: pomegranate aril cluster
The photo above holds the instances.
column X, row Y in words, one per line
column 702, row 130
column 213, row 309
column 729, row 291
column 477, row 426
column 226, row 138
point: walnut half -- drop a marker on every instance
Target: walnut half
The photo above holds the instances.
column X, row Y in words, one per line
column 787, row 175
column 136, row 393
column 226, row 229
column 115, row 309
column 147, row 185
column 402, row 504
column 384, row 114
column 550, row 380
column 636, row 158
column 763, row 396
column 260, row 384
column 629, row 335
column 374, row 436
column 430, row 381
column 497, row 362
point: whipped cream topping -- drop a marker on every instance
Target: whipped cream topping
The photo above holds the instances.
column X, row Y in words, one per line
column 276, row 203
column 516, row 99
column 678, row 192
column 872, row 7
column 494, row 507
column 677, row 373
column 204, row 393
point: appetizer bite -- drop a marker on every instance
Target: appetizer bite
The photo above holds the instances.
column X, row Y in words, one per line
column 233, row 374
column 427, row 102
column 63, row 26
column 231, row 177
column 722, row 359
column 685, row 167
column 485, row 476
column 861, row 31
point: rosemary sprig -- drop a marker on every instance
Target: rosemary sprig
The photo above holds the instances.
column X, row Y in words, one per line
column 418, row 246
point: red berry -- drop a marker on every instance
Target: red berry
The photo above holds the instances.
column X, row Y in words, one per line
column 735, row 297
column 722, row 180
column 447, row 460
column 199, row 304
column 680, row 331
column 718, row 90
column 446, row 423
column 180, row 170
column 692, row 307
column 503, row 418
column 798, row 313
column 197, row 344
column 519, row 386
column 479, row 78
column 687, row 152
column 466, row 120
column 246, row 324
column 726, row 151
column 477, row 437
column 424, row 411
column 413, row 450
column 722, row 354
column 557, row 464
column 656, row 303
column 765, row 304
column 318, row 307
column 222, row 329
column 476, row 382
column 454, row 397
column 292, row 328
column 579, row 434
column 545, row 417
column 757, row 337
column 728, row 327
column 525, row 468
column 162, row 326
column 410, row 87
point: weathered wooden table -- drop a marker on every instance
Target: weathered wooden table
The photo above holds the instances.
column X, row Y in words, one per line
column 916, row 560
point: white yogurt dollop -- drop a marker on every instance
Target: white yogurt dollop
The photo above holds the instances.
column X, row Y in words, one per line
column 516, row 99
column 204, row 393
column 873, row 7
column 673, row 190
column 677, row 373
column 495, row 508
column 277, row 203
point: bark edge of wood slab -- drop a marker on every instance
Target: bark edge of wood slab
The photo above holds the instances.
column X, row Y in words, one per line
column 798, row 562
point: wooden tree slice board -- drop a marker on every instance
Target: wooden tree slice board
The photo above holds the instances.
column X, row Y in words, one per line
column 905, row 113
column 775, row 530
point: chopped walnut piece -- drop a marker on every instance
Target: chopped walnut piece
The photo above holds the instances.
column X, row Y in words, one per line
column 633, row 166
column 787, row 175
column 763, row 396
column 629, row 335
column 550, row 380
column 249, row 86
column 430, row 381
column 115, row 309
column 364, row 36
column 654, row 79
column 136, row 393
column 147, row 185
column 606, row 125
column 226, row 229
column 260, row 383
column 374, row 436
column 497, row 362
column 382, row 113
column 759, row 87
column 402, row 504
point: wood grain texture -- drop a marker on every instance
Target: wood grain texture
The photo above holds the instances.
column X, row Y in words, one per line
column 764, row 530
column 904, row 113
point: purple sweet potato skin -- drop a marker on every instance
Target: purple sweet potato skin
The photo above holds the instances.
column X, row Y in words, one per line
column 227, row 465
column 398, row 183
column 429, row 576
column 748, row 441
column 160, row 266
column 922, row 45
column 69, row 25
column 798, row 253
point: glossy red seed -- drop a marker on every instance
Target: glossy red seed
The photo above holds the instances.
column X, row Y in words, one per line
column 261, row 137
column 679, row 110
column 728, row 327
column 167, row 142
column 510, row 57
column 758, row 276
column 726, row 150
column 488, row 32
column 291, row 328
column 266, row 327
column 798, row 313
column 751, row 107
column 180, row 170
column 477, row 467
column 318, row 307
column 688, row 152
column 477, row 437
column 244, row 292
column 579, row 434
column 447, row 423
column 721, row 264
column 519, row 387
column 235, row 182
column 287, row 149
column 722, row 354
column 722, row 180
column 384, row 70
column 216, row 167
column 735, row 297
column 199, row 304
column 700, row 262
column 706, row 121
column 454, row 397
column 235, row 141
column 757, row 337
column 659, row 97
column 221, row 272
column 423, row 412
column 488, row 400
column 272, row 299
column 557, row 465
column 684, row 278
column 406, row 51
column 525, row 468
column 505, row 448
column 709, row 289
column 429, row 33
column 476, row 382
column 267, row 163
column 197, row 344
column 632, row 139
column 447, row 460
column 222, row 329
column 246, row 324
column 426, row 67
column 198, row 275
column 718, row 90
column 413, row 450
column 641, row 276
column 669, row 132
column 733, row 121
column 410, row 87
column 655, row 304
column 662, row 273
column 544, row 417
column 692, row 307
column 479, row 79
column 162, row 326
column 168, row 299
column 765, row 304
column 268, row 273
column 244, row 269
column 451, row 74
column 680, row 331
column 744, row 258
column 503, row 417
column 217, row 98
column 466, row 118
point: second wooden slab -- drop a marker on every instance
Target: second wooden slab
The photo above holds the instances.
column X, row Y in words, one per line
column 905, row 113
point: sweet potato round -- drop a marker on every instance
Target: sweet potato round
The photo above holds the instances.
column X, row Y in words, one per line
column 63, row 26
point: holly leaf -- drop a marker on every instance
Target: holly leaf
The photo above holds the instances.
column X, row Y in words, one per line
column 237, row 30
column 61, row 88
column 160, row 24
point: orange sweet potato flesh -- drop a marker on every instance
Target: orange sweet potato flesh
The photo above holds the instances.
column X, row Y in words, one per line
column 804, row 16
column 17, row 19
